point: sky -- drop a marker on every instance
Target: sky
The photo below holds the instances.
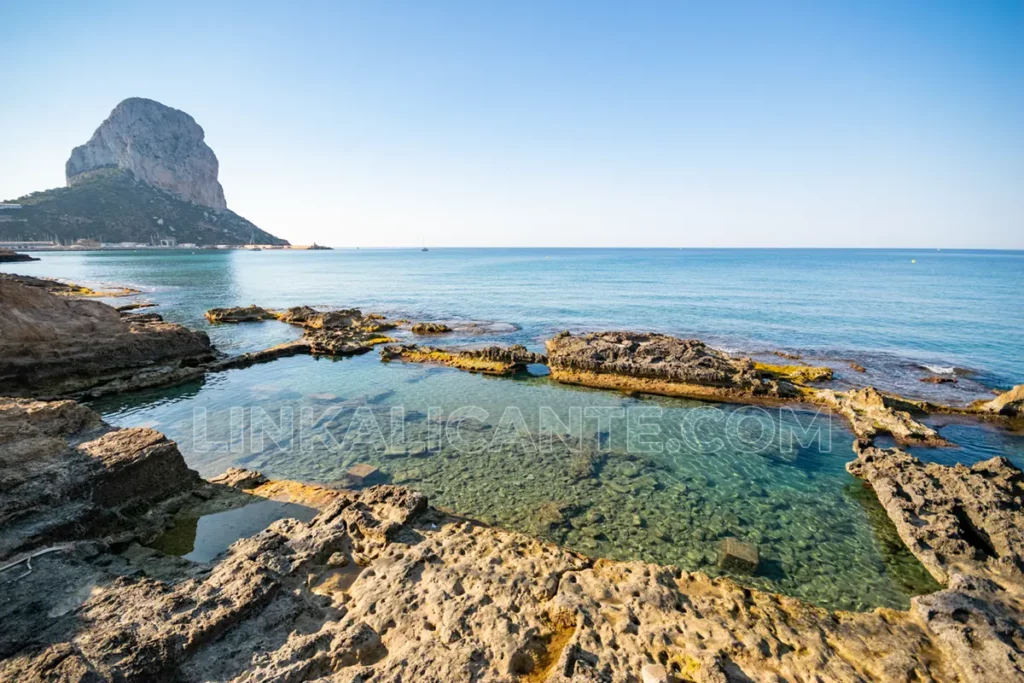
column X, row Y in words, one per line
column 600, row 124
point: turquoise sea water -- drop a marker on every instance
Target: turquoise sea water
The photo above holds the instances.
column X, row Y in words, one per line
column 657, row 479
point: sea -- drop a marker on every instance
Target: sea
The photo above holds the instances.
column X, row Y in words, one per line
column 627, row 477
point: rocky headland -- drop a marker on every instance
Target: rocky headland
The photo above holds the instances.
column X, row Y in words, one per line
column 146, row 174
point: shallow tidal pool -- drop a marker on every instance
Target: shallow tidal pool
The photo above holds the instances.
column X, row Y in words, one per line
column 655, row 479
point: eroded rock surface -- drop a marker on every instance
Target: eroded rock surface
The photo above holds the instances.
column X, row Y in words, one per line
column 239, row 314
column 872, row 413
column 160, row 146
column 64, row 474
column 430, row 328
column 658, row 364
column 955, row 519
column 1010, row 403
column 54, row 345
column 492, row 360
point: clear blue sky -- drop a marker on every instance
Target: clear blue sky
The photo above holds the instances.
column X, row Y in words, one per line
column 758, row 123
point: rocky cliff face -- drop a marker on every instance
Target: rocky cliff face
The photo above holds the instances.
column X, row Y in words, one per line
column 159, row 145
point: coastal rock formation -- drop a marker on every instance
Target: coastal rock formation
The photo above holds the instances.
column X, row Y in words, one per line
column 239, row 314
column 430, row 328
column 658, row 364
column 8, row 256
column 67, row 475
column 160, row 146
column 57, row 345
column 492, row 360
column 379, row 586
column 872, row 413
column 954, row 519
column 1010, row 403
column 343, row 332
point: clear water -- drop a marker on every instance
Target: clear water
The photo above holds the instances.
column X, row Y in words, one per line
column 772, row 478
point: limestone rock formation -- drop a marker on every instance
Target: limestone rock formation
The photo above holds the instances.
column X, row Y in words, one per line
column 871, row 413
column 430, row 328
column 160, row 146
column 55, row 345
column 1010, row 403
column 66, row 474
column 239, row 314
column 658, row 364
column 492, row 360
column 955, row 519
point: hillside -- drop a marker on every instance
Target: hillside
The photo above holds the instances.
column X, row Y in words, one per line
column 110, row 205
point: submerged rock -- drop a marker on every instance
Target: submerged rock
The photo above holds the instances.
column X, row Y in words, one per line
column 56, row 345
column 492, row 360
column 739, row 557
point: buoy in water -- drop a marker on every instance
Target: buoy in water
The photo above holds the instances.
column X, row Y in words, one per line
column 913, row 260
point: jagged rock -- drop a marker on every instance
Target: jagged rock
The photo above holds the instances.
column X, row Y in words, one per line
column 8, row 256
column 239, row 314
column 492, row 360
column 379, row 586
column 430, row 328
column 939, row 379
column 56, row 345
column 871, row 413
column 240, row 478
column 1010, row 403
column 65, row 473
column 959, row 519
column 658, row 364
column 160, row 146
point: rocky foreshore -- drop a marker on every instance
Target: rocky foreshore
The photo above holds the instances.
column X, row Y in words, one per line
column 54, row 345
column 381, row 586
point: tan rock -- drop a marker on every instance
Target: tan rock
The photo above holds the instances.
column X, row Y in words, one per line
column 55, row 345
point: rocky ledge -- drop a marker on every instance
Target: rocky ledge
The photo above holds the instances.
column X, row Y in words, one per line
column 379, row 586
column 344, row 332
column 8, row 256
column 659, row 364
column 492, row 360
column 53, row 345
column 430, row 328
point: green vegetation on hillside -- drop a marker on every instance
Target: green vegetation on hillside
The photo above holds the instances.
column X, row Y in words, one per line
column 111, row 206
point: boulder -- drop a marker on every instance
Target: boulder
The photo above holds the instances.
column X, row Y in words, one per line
column 738, row 557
